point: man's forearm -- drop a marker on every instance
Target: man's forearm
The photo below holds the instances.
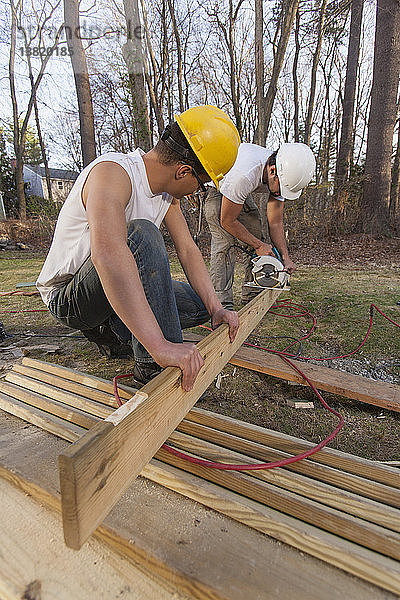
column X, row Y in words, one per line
column 240, row 232
column 277, row 236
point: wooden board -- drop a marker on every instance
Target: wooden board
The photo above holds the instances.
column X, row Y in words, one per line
column 36, row 565
column 377, row 393
column 206, row 555
column 100, row 467
column 355, row 514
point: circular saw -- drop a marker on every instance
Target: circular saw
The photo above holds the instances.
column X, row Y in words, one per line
column 268, row 272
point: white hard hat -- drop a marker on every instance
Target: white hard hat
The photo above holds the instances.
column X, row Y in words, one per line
column 295, row 167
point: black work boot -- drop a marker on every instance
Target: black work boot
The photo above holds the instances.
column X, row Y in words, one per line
column 145, row 371
column 107, row 342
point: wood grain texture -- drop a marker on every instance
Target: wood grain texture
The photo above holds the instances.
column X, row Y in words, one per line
column 353, row 558
column 352, row 528
column 204, row 553
column 346, row 502
column 359, row 561
column 66, row 384
column 287, row 443
column 377, row 393
column 340, row 479
column 98, row 468
column 90, row 381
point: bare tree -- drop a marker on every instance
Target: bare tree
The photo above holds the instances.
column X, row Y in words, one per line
column 289, row 10
column 260, row 133
column 295, row 78
column 82, row 83
column 133, row 55
column 374, row 206
column 346, row 138
column 313, row 83
column 37, row 37
column 395, row 183
column 37, row 119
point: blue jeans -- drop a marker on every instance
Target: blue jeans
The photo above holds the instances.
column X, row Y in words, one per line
column 82, row 304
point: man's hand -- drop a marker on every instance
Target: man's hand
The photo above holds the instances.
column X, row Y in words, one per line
column 289, row 265
column 264, row 250
column 226, row 316
column 184, row 356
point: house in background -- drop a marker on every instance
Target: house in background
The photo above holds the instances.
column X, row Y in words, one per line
column 61, row 182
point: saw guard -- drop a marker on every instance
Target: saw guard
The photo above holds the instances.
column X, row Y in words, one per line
column 278, row 277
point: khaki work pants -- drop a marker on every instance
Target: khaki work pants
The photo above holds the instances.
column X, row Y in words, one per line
column 222, row 262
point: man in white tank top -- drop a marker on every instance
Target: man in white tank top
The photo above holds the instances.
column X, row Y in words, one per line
column 232, row 214
column 107, row 271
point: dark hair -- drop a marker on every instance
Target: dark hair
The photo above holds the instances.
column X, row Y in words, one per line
column 169, row 156
column 272, row 159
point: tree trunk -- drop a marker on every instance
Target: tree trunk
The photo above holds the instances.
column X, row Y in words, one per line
column 289, row 10
column 374, row 206
column 18, row 147
column 317, row 51
column 233, row 70
column 179, row 54
column 260, row 133
column 295, row 79
column 395, row 183
column 38, row 128
column 133, row 55
column 346, row 138
column 82, row 83
column 155, row 100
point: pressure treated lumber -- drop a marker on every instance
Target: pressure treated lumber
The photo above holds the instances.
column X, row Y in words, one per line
column 208, row 556
column 337, row 461
column 287, row 443
column 375, row 512
column 90, row 381
column 65, row 384
column 340, row 479
column 377, row 393
column 294, row 535
column 359, row 561
column 41, row 395
column 372, row 536
column 99, row 468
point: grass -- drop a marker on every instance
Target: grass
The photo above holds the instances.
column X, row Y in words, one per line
column 338, row 297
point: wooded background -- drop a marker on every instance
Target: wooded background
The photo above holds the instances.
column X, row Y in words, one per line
column 325, row 73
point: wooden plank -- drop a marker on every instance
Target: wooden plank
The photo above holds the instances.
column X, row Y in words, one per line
column 55, row 393
column 287, row 443
column 36, row 565
column 340, row 479
column 377, row 393
column 346, row 502
column 352, row 558
column 209, row 556
column 43, row 420
column 65, row 384
column 99, row 468
column 78, row 417
column 372, row 536
column 90, row 381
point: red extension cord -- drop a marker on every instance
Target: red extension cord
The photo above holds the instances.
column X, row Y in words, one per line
column 302, row 311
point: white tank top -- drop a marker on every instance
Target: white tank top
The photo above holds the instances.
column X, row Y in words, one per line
column 71, row 241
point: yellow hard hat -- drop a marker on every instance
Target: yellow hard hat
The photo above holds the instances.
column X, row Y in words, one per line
column 213, row 138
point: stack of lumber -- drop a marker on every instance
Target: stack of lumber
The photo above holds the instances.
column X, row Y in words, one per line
column 334, row 506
